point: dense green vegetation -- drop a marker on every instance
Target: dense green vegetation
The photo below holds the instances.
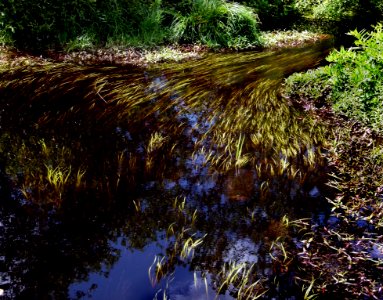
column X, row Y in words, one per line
column 338, row 9
column 79, row 24
column 215, row 23
column 86, row 23
column 352, row 82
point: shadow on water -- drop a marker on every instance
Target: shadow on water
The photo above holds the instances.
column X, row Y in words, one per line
column 174, row 180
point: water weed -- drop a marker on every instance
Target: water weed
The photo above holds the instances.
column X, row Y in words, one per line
column 238, row 277
column 58, row 177
column 177, row 146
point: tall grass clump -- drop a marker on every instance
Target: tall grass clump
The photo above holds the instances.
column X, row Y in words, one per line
column 145, row 26
column 352, row 82
column 216, row 23
column 151, row 29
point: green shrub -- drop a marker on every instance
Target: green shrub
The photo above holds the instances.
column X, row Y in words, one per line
column 151, row 29
column 357, row 77
column 216, row 23
column 353, row 79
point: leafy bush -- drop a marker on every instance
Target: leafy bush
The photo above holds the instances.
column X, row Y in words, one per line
column 216, row 23
column 357, row 77
column 311, row 85
column 353, row 79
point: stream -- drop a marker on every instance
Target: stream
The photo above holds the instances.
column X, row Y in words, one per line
column 174, row 181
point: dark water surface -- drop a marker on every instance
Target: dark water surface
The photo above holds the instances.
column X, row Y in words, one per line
column 171, row 182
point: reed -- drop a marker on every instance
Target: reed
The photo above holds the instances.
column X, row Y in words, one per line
column 58, row 177
column 239, row 276
column 156, row 270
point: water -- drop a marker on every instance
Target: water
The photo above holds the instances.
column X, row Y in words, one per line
column 130, row 183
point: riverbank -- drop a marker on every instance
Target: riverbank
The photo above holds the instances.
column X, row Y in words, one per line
column 144, row 56
column 342, row 255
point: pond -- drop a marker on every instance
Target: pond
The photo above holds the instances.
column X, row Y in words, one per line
column 174, row 181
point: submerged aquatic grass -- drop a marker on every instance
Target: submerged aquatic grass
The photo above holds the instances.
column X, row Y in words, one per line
column 255, row 127
column 133, row 127
column 239, row 277
column 58, row 178
column 43, row 171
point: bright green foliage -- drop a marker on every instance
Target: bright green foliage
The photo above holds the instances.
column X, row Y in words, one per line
column 353, row 80
column 357, row 77
column 81, row 24
column 335, row 9
column 338, row 9
column 216, row 23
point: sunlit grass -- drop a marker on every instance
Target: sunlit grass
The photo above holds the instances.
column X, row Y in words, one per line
column 168, row 54
column 58, row 177
column 288, row 38
column 45, row 172
column 238, row 276
column 156, row 141
column 183, row 242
